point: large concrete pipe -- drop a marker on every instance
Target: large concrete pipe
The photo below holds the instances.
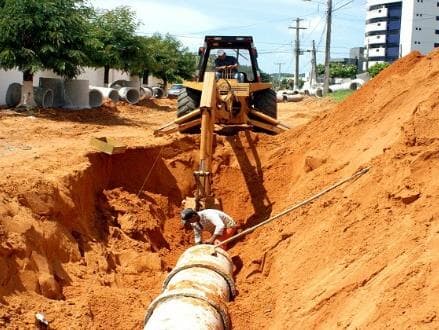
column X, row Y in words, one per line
column 129, row 94
column 108, row 93
column 338, row 87
column 293, row 98
column 195, row 293
column 289, row 97
column 13, row 95
column 95, row 98
column 145, row 93
column 76, row 94
column 356, row 84
column 43, row 97
column 118, row 84
column 57, row 86
column 318, row 92
column 132, row 83
column 158, row 92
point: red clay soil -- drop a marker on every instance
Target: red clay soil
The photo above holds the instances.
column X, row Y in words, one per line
column 366, row 255
column 87, row 240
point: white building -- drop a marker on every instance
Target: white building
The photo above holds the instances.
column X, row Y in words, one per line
column 395, row 28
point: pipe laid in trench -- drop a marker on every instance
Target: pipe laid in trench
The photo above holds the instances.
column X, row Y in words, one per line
column 195, row 292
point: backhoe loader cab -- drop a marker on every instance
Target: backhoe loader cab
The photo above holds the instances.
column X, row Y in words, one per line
column 239, row 99
column 240, row 48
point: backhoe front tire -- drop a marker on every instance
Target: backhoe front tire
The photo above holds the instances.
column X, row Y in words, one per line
column 188, row 101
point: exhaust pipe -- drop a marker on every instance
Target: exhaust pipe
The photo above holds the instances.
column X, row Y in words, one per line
column 195, row 293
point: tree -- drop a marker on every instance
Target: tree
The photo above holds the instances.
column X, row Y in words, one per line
column 141, row 63
column 377, row 68
column 118, row 46
column 265, row 77
column 338, row 70
column 43, row 34
column 171, row 62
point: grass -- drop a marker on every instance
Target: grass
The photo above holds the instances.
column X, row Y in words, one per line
column 340, row 96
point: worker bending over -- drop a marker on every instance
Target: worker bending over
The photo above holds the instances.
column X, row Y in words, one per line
column 218, row 223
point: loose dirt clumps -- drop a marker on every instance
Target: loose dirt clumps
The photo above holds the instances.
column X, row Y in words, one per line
column 89, row 238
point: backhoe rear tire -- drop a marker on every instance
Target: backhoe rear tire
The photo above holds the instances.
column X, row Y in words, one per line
column 188, row 101
column 265, row 102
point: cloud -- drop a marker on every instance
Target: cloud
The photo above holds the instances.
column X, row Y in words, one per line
column 163, row 18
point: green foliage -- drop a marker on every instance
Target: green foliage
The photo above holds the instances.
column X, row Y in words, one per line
column 338, row 70
column 377, row 68
column 169, row 60
column 340, row 95
column 44, row 34
column 287, row 83
column 265, row 77
column 118, row 46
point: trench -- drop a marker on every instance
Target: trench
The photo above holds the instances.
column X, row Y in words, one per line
column 103, row 227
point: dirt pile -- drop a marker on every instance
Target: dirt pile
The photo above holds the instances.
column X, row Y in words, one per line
column 363, row 256
column 89, row 240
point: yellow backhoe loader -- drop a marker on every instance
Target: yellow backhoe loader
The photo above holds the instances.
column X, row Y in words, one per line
column 223, row 102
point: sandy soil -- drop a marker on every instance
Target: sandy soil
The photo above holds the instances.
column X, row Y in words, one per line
column 88, row 238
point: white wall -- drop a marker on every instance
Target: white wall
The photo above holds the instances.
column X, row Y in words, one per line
column 382, row 2
column 406, row 35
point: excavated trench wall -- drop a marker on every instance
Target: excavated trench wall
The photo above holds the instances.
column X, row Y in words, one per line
column 91, row 231
column 54, row 224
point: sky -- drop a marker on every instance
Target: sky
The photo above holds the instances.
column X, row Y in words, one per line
column 268, row 21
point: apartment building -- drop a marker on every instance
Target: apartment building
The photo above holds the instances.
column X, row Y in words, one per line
column 395, row 28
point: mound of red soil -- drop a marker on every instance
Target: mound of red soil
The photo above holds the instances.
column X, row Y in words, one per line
column 363, row 256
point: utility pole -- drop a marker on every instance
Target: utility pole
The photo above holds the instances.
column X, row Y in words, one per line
column 313, row 77
column 328, row 47
column 280, row 70
column 297, row 50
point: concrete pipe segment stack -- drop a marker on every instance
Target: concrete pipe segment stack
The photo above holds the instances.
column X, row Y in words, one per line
column 129, row 91
column 129, row 94
column 57, row 86
column 195, row 292
column 44, row 97
column 95, row 98
column 108, row 93
column 145, row 93
column 76, row 93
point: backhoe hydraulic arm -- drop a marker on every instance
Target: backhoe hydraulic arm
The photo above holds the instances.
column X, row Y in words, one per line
column 208, row 103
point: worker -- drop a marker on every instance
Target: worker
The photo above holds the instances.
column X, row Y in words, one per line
column 218, row 223
column 227, row 66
